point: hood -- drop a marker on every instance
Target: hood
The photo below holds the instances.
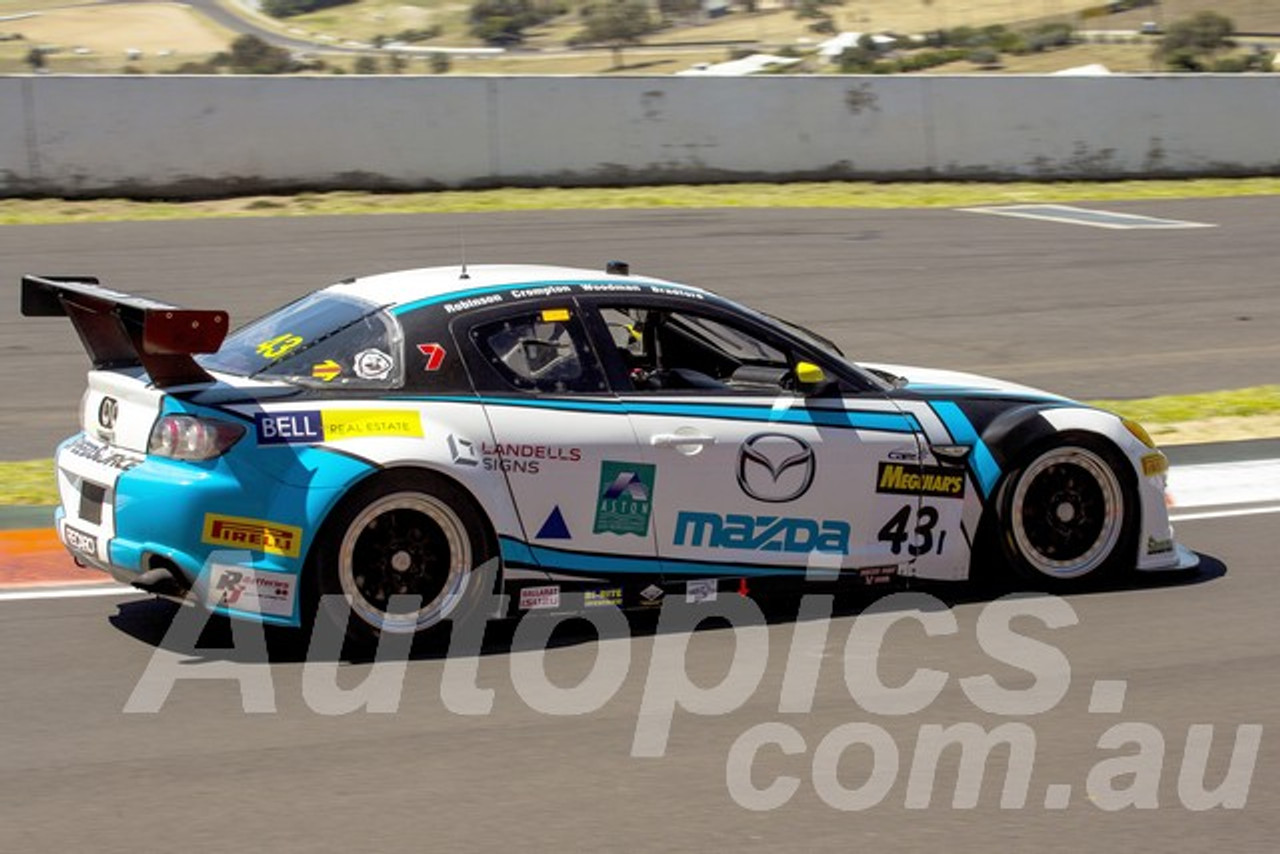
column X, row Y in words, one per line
column 959, row 384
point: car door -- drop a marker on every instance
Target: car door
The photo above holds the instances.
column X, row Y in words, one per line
column 583, row 491
column 757, row 477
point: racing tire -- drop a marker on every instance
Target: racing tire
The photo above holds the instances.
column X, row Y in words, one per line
column 1068, row 515
column 406, row 533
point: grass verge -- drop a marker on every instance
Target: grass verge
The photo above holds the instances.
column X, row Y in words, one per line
column 833, row 194
column 30, row 482
column 1219, row 415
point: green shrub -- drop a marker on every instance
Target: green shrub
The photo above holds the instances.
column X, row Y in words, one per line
column 289, row 8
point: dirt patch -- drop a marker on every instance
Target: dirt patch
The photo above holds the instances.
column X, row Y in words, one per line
column 150, row 27
column 1216, row 430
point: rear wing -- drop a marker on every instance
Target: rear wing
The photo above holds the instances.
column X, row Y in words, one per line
column 123, row 331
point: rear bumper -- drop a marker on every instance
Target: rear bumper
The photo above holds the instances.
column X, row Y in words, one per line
column 233, row 535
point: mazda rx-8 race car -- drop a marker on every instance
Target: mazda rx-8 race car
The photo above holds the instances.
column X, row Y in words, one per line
column 417, row 441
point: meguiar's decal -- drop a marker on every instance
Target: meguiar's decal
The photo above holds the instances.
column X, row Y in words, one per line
column 935, row 481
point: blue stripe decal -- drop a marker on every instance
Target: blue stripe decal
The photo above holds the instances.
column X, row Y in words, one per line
column 889, row 422
column 984, row 465
column 991, row 393
column 454, row 296
column 554, row 560
column 514, row 551
column 517, row 552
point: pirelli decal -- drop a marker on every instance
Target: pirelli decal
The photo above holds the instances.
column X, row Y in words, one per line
column 932, row 481
column 254, row 534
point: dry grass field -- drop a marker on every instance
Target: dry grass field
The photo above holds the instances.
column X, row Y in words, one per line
column 169, row 34
column 96, row 38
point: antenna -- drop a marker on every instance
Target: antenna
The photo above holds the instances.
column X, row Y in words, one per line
column 462, row 239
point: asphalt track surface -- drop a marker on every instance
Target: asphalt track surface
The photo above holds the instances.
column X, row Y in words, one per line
column 1081, row 311
column 78, row 773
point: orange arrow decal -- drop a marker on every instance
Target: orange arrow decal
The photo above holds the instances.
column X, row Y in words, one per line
column 326, row 370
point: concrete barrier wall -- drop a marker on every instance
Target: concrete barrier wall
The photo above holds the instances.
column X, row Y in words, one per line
column 201, row 136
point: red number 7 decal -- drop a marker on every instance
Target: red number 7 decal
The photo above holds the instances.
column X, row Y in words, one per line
column 434, row 354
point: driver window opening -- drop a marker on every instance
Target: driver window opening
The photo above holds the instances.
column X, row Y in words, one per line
column 671, row 350
column 535, row 353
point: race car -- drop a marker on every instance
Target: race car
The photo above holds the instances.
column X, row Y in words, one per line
column 419, row 441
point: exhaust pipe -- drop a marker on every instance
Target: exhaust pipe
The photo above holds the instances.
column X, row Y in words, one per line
column 162, row 581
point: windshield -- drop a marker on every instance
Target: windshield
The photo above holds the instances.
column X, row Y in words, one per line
column 810, row 337
column 322, row 339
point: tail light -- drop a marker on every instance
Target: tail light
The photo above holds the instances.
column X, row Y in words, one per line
column 186, row 437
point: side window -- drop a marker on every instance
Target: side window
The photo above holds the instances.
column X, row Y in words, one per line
column 666, row 350
column 543, row 350
column 364, row 354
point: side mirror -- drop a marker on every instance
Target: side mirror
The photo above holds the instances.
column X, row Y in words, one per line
column 810, row 378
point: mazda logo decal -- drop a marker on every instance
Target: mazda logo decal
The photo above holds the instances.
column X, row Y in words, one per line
column 107, row 412
column 775, row 467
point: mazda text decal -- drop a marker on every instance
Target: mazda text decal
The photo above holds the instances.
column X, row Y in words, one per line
column 762, row 533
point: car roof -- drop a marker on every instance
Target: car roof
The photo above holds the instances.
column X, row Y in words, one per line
column 408, row 288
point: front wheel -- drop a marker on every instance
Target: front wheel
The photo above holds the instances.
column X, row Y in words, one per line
column 1068, row 515
column 406, row 552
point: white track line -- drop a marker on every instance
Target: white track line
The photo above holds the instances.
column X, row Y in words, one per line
column 1071, row 215
column 67, row 593
column 1219, row 484
column 1223, row 514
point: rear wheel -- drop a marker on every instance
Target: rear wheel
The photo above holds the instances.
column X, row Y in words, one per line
column 1069, row 514
column 406, row 552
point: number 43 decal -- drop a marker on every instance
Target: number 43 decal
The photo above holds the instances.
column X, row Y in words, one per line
column 895, row 532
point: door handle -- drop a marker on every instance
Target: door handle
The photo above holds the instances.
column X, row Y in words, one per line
column 675, row 440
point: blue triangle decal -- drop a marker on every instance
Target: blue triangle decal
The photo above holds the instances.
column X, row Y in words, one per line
column 554, row 528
